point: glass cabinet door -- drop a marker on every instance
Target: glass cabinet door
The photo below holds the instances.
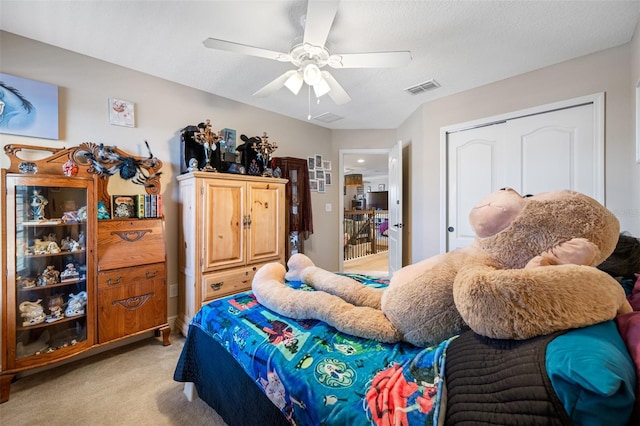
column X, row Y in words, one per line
column 51, row 274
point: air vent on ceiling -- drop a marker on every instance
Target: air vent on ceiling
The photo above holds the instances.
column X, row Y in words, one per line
column 423, row 87
column 327, row 117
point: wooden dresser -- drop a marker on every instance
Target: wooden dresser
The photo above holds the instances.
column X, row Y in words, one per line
column 230, row 225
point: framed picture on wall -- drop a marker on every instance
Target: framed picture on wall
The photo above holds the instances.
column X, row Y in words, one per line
column 320, row 185
column 312, row 175
column 326, row 165
column 319, row 174
column 318, row 161
column 121, row 113
column 29, row 107
column 313, row 185
column 327, row 178
column 311, row 162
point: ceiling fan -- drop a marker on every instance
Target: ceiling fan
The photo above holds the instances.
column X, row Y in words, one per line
column 310, row 56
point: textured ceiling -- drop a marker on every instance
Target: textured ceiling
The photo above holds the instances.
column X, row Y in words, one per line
column 461, row 44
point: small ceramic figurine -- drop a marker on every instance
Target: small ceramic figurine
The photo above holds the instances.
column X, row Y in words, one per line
column 56, row 304
column 38, row 202
column 32, row 313
column 49, row 276
column 70, row 168
column 76, row 304
column 193, row 165
column 70, row 273
column 26, row 282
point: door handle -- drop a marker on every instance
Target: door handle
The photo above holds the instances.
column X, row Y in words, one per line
column 451, row 229
column 399, row 225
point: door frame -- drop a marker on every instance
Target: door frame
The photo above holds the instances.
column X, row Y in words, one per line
column 341, row 154
column 598, row 101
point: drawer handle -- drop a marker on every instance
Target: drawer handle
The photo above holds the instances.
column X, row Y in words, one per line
column 131, row 236
column 217, row 286
column 133, row 303
column 114, row 282
column 151, row 274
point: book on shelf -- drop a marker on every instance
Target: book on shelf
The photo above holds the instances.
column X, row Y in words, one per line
column 139, row 205
column 124, row 206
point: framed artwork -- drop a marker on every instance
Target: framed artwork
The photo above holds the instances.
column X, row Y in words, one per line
column 318, row 161
column 28, row 107
column 326, row 165
column 313, row 185
column 229, row 136
column 319, row 174
column 327, row 178
column 312, row 175
column 311, row 162
column 121, row 113
column 320, row 185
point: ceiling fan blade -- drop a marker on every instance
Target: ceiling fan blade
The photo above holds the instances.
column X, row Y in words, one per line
column 229, row 46
column 370, row 60
column 275, row 85
column 337, row 93
column 320, row 15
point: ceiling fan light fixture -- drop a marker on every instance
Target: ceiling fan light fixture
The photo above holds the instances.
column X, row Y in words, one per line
column 294, row 82
column 312, row 74
column 321, row 88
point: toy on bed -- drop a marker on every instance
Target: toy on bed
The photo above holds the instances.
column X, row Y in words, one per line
column 530, row 272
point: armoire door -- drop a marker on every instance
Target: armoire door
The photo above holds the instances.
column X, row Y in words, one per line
column 225, row 220
column 265, row 221
column 549, row 151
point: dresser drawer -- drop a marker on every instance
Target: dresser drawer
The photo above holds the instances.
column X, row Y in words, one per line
column 123, row 243
column 131, row 300
column 227, row 282
column 126, row 276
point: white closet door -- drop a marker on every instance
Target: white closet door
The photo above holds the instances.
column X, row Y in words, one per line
column 543, row 152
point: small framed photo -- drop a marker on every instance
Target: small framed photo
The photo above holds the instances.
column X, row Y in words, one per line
column 320, row 185
column 381, row 187
column 318, row 161
column 311, row 162
column 312, row 175
column 121, row 113
column 327, row 178
column 326, row 165
column 319, row 174
column 124, row 206
column 229, row 136
column 313, row 185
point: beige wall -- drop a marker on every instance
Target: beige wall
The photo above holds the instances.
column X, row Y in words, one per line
column 162, row 108
column 608, row 71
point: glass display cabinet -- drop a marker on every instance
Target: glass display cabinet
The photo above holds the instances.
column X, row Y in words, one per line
column 50, row 272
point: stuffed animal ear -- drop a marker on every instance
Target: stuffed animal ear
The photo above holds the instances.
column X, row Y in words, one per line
column 577, row 251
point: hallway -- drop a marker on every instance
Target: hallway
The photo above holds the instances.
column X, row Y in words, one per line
column 376, row 265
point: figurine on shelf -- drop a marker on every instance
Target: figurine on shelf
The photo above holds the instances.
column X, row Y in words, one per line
column 26, row 282
column 38, row 202
column 70, row 216
column 66, row 243
column 81, row 238
column 56, row 303
column 76, row 304
column 209, row 140
column 49, row 276
column 193, row 165
column 70, row 273
column 32, row 313
column 82, row 214
column 53, row 248
column 103, row 213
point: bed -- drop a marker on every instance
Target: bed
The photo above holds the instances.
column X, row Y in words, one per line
column 255, row 367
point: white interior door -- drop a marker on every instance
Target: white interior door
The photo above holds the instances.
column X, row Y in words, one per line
column 395, row 208
column 531, row 154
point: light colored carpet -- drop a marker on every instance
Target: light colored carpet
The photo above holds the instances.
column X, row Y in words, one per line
column 130, row 385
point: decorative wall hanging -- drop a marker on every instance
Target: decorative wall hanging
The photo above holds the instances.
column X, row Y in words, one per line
column 121, row 113
column 28, row 107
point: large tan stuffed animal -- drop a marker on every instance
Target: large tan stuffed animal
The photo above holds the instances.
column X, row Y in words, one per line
column 531, row 271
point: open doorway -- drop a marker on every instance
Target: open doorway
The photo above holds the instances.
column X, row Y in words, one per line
column 364, row 176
